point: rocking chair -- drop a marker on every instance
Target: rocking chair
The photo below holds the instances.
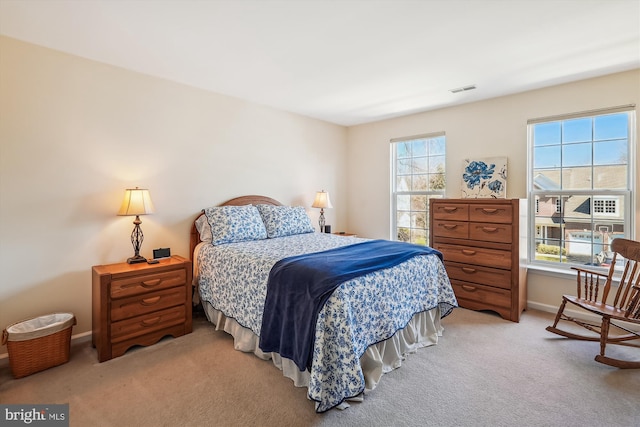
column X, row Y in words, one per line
column 593, row 298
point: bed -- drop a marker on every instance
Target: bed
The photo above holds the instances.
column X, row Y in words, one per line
column 366, row 325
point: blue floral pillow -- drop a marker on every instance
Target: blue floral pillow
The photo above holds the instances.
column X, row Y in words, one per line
column 230, row 224
column 285, row 220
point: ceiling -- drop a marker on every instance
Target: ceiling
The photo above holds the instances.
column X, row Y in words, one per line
column 347, row 62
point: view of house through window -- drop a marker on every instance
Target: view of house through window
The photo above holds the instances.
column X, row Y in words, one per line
column 418, row 174
column 580, row 185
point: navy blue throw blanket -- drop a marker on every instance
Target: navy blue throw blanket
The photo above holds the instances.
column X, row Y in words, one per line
column 299, row 286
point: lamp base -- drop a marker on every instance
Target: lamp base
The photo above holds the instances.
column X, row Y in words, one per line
column 136, row 259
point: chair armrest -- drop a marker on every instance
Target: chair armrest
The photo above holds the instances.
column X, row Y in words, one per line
column 596, row 273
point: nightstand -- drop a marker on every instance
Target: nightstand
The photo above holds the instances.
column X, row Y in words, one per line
column 138, row 304
column 342, row 233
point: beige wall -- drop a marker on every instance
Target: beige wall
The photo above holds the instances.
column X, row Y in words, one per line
column 496, row 127
column 75, row 133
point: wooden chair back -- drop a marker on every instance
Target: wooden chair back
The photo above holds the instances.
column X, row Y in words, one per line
column 627, row 297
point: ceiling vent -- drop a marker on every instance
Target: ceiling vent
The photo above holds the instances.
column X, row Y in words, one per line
column 462, row 89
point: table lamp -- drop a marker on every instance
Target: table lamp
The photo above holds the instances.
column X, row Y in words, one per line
column 137, row 201
column 322, row 201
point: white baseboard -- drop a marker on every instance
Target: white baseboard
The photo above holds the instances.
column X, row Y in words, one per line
column 578, row 314
column 542, row 307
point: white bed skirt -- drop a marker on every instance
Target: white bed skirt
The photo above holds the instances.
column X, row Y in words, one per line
column 422, row 330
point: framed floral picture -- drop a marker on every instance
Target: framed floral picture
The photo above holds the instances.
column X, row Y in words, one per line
column 485, row 178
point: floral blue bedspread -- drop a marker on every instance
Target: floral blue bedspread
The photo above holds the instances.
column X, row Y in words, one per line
column 361, row 311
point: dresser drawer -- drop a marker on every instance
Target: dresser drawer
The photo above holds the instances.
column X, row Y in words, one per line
column 484, row 295
column 491, row 213
column 147, row 282
column 478, row 274
column 148, row 323
column 490, row 232
column 146, row 303
column 451, row 211
column 455, row 229
column 473, row 255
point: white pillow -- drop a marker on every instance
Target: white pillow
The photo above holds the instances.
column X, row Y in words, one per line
column 204, row 230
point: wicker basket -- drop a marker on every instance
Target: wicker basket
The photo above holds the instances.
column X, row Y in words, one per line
column 39, row 343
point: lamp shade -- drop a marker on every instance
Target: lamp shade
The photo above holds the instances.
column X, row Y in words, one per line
column 137, row 201
column 322, row 200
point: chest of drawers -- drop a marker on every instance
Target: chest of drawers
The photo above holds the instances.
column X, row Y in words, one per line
column 138, row 304
column 483, row 242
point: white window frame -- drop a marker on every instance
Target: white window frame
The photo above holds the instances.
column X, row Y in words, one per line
column 627, row 196
column 395, row 192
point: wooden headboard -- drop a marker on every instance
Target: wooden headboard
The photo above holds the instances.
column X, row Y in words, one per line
column 238, row 201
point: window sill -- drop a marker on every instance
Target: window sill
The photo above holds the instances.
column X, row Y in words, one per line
column 560, row 273
column 566, row 274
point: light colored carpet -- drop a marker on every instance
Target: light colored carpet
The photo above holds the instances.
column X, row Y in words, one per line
column 485, row 371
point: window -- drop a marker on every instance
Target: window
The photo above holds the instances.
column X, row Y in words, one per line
column 605, row 206
column 418, row 174
column 581, row 185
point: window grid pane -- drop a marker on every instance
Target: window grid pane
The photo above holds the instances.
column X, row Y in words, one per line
column 579, row 187
column 419, row 175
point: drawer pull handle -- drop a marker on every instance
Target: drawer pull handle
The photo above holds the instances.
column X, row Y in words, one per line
column 151, row 283
column 469, row 270
column 150, row 300
column 490, row 229
column 449, row 209
column 150, row 322
column 489, row 210
column 468, row 252
column 450, row 226
column 469, row 288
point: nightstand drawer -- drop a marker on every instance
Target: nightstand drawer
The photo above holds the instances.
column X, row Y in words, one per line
column 146, row 303
column 491, row 213
column 490, row 232
column 475, row 255
column 148, row 323
column 477, row 274
column 147, row 282
column 455, row 229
